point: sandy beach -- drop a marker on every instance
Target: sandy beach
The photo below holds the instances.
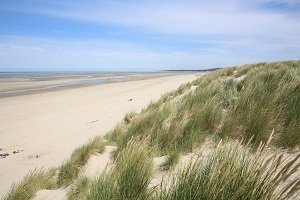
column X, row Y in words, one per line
column 46, row 127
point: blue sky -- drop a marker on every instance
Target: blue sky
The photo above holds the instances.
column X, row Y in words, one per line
column 55, row 35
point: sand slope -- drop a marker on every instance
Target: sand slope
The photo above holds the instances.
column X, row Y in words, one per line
column 49, row 126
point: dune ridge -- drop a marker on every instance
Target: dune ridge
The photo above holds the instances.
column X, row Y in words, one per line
column 231, row 134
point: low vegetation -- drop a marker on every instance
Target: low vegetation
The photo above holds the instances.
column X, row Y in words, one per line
column 247, row 102
column 70, row 169
column 269, row 98
column 233, row 172
column 79, row 189
column 171, row 161
column 130, row 177
column 104, row 188
column 31, row 183
column 235, row 102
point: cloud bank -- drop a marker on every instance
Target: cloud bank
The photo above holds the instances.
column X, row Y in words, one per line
column 145, row 35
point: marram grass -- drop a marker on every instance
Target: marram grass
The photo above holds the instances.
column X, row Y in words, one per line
column 171, row 161
column 130, row 177
column 269, row 98
column 35, row 180
column 70, row 169
column 79, row 189
column 232, row 172
column 104, row 188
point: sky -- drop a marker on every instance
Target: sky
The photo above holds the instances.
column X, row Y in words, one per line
column 145, row 35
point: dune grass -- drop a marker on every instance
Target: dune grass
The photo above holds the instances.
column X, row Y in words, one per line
column 129, row 117
column 167, row 97
column 235, row 102
column 246, row 102
column 147, row 125
column 79, row 189
column 233, row 172
column 133, row 171
column 130, row 177
column 70, row 169
column 30, row 184
column 270, row 99
column 171, row 161
column 179, row 123
column 104, row 188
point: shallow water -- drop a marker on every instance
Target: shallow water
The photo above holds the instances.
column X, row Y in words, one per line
column 81, row 82
column 19, row 83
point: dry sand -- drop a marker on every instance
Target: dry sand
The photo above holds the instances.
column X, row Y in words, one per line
column 49, row 126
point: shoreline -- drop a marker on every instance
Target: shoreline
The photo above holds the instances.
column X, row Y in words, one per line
column 49, row 126
column 52, row 82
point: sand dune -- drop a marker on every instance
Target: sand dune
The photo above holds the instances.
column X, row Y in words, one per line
column 49, row 126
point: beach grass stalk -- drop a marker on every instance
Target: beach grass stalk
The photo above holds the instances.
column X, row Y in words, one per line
column 232, row 171
column 79, row 189
column 270, row 99
column 171, row 160
column 70, row 169
column 130, row 177
column 104, row 188
column 133, row 171
column 35, row 180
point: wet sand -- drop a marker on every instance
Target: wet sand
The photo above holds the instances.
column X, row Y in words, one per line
column 15, row 84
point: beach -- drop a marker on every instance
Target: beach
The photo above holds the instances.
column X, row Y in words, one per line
column 45, row 127
column 22, row 83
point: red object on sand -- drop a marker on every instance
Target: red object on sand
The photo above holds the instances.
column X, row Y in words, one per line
column 14, row 152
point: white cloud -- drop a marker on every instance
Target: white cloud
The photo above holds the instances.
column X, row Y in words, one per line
column 235, row 32
column 54, row 54
column 235, row 17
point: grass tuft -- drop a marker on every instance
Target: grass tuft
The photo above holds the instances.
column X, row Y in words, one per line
column 171, row 161
column 232, row 171
column 130, row 177
column 270, row 99
column 79, row 189
column 133, row 172
column 70, row 169
column 104, row 188
column 30, row 184
column 129, row 117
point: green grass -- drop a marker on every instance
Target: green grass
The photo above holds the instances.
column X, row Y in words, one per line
column 167, row 97
column 233, row 172
column 170, row 125
column 147, row 125
column 171, row 161
column 270, row 99
column 70, row 169
column 79, row 189
column 133, row 172
column 30, row 184
column 130, row 177
column 104, row 188
column 129, row 117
